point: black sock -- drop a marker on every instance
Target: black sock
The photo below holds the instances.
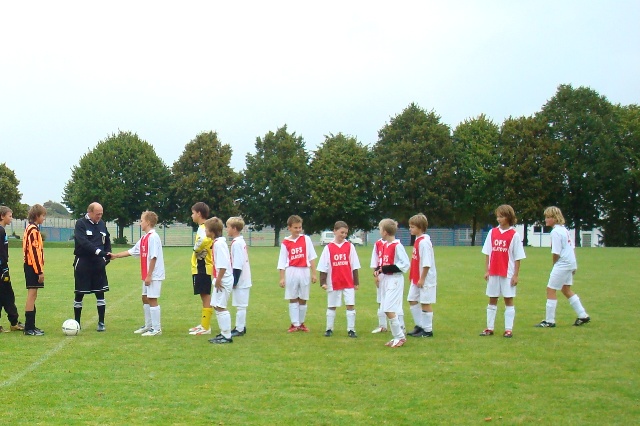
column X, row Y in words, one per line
column 30, row 320
column 101, row 310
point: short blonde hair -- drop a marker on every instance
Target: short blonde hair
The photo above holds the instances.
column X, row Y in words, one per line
column 340, row 224
column 36, row 211
column 236, row 222
column 293, row 219
column 214, row 225
column 419, row 221
column 555, row 213
column 150, row 217
column 506, row 211
column 389, row 226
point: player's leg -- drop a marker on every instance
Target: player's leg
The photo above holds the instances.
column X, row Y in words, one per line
column 219, row 302
column 202, row 287
column 556, row 281
column 427, row 299
column 575, row 303
column 101, row 305
column 493, row 292
column 240, row 299
column 392, row 302
column 291, row 292
column 303, row 296
column 349, row 295
column 146, row 309
column 153, row 291
column 333, row 301
column 509, row 293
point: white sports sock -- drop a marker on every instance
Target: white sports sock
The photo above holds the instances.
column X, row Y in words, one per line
column 331, row 318
column 491, row 316
column 147, row 315
column 395, row 328
column 224, row 322
column 302, row 313
column 551, row 310
column 574, row 301
column 382, row 318
column 294, row 313
column 401, row 320
column 154, row 312
column 427, row 320
column 241, row 318
column 351, row 320
column 509, row 316
column 416, row 314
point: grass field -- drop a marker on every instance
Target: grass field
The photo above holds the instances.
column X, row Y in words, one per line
column 562, row 376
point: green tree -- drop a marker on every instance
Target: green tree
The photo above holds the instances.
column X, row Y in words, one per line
column 582, row 124
column 275, row 182
column 125, row 175
column 476, row 142
column 527, row 170
column 413, row 167
column 341, row 188
column 621, row 193
column 56, row 209
column 10, row 196
column 203, row 173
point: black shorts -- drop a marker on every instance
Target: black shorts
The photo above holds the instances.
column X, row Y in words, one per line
column 201, row 284
column 31, row 278
column 90, row 274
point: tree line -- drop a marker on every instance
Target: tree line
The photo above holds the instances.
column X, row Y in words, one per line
column 579, row 152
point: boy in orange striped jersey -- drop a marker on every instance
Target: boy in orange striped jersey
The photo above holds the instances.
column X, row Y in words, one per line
column 33, row 266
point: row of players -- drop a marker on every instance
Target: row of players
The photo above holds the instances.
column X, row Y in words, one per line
column 338, row 267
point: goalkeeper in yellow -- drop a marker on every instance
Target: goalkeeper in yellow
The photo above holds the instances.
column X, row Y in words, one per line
column 202, row 268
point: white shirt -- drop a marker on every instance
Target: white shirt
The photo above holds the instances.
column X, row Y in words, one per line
column 240, row 260
column 562, row 245
column 427, row 259
column 222, row 258
column 155, row 252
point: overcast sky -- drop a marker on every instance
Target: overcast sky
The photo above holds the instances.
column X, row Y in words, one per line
column 74, row 72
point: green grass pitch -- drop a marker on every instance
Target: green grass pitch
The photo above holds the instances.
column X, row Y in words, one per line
column 567, row 375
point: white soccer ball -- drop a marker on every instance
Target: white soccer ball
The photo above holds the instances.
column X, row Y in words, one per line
column 70, row 327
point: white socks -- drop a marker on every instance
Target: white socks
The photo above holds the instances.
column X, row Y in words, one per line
column 491, row 316
column 416, row 311
column 147, row 315
column 427, row 320
column 551, row 311
column 154, row 313
column 509, row 316
column 294, row 313
column 382, row 318
column 574, row 301
column 331, row 318
column 224, row 322
column 241, row 318
column 302, row 312
column 395, row 328
column 351, row 320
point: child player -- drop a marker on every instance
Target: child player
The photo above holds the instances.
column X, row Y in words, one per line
column 223, row 279
column 503, row 250
column 149, row 250
column 394, row 263
column 338, row 267
column 422, row 277
column 7, row 296
column 564, row 268
column 33, row 266
column 202, row 268
column 376, row 258
column 297, row 267
column 241, row 274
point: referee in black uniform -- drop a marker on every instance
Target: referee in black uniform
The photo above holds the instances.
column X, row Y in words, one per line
column 92, row 251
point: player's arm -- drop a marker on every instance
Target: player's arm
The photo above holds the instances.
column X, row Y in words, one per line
column 516, row 271
column 218, row 283
column 486, row 268
column 356, row 279
column 236, row 276
column 423, row 276
column 152, row 267
column 121, row 254
column 314, row 278
column 323, row 280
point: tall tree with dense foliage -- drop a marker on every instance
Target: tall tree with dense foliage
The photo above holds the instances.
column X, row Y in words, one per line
column 125, row 175
column 583, row 125
column 476, row 145
column 341, row 188
column 203, row 173
column 621, row 219
column 10, row 196
column 413, row 167
column 528, row 169
column 275, row 182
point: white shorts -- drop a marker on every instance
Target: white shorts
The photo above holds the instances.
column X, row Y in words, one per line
column 240, row 297
column 297, row 281
column 153, row 289
column 334, row 297
column 500, row 286
column 219, row 299
column 559, row 278
column 425, row 295
column 392, row 291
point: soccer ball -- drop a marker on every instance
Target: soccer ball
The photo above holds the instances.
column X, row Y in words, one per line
column 70, row 327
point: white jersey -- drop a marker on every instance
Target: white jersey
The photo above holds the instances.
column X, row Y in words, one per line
column 240, row 260
column 516, row 250
column 283, row 259
column 427, row 260
column 222, row 259
column 562, row 245
column 155, row 252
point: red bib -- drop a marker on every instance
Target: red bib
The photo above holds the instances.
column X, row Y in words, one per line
column 297, row 251
column 389, row 255
column 379, row 248
column 416, row 270
column 144, row 255
column 341, row 274
column 500, row 243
